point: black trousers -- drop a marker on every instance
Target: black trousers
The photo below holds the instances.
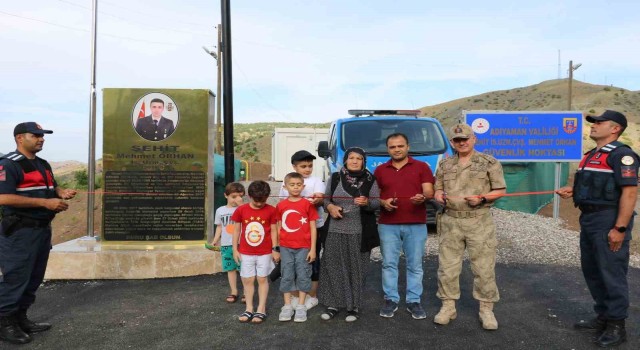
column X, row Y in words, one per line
column 23, row 262
column 605, row 271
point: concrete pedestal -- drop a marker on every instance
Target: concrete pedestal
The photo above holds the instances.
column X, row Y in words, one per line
column 78, row 259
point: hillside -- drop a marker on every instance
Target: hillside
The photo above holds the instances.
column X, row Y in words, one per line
column 549, row 95
column 253, row 141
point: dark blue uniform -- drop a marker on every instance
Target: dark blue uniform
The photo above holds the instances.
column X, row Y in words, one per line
column 154, row 131
column 597, row 189
column 25, row 233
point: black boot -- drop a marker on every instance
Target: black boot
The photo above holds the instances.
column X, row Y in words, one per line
column 29, row 326
column 596, row 324
column 615, row 334
column 11, row 332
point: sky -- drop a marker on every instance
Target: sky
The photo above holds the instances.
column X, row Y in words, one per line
column 299, row 61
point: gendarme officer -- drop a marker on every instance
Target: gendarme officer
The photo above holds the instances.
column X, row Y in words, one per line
column 29, row 199
column 605, row 190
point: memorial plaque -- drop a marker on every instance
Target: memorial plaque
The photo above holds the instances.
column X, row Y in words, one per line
column 158, row 179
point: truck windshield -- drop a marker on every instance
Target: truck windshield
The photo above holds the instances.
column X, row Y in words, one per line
column 424, row 135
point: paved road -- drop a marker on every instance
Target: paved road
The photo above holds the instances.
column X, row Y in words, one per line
column 539, row 304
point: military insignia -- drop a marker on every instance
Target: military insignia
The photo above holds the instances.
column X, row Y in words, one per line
column 569, row 125
column 627, row 160
column 628, row 172
column 596, row 162
column 480, row 126
column 458, row 130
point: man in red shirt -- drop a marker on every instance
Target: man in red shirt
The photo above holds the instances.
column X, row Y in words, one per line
column 405, row 184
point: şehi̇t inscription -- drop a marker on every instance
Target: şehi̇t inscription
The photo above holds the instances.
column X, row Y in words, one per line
column 154, row 205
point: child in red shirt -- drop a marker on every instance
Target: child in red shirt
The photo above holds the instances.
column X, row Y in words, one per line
column 297, row 237
column 253, row 225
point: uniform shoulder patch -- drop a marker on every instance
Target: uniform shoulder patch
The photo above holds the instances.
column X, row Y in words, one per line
column 489, row 158
column 628, row 172
column 14, row 156
column 627, row 160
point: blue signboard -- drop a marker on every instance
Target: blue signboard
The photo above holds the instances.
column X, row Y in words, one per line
column 528, row 136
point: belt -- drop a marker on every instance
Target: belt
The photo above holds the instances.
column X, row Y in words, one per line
column 592, row 208
column 28, row 222
column 465, row 213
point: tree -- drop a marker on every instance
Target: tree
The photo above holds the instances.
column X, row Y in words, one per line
column 81, row 179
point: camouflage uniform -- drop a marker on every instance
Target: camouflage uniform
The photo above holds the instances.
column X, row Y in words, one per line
column 464, row 226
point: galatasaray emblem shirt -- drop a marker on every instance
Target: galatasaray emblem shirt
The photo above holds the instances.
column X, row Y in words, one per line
column 255, row 228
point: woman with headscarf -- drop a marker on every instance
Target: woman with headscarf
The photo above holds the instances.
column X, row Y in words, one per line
column 351, row 200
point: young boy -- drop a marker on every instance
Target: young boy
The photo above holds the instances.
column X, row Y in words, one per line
column 302, row 162
column 233, row 192
column 257, row 248
column 297, row 238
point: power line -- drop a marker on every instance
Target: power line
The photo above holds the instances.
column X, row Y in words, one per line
column 41, row 21
column 136, row 22
column 342, row 56
column 264, row 100
column 146, row 14
column 86, row 31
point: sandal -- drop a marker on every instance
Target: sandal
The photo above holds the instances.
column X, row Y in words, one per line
column 231, row 298
column 329, row 313
column 352, row 316
column 248, row 315
column 258, row 317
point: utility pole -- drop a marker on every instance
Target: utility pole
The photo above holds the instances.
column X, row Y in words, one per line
column 229, row 161
column 571, row 69
column 570, row 84
column 559, row 65
column 218, row 97
column 91, row 167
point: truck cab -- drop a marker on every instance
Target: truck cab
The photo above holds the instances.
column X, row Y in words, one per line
column 368, row 129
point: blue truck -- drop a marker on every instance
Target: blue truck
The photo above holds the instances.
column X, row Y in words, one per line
column 369, row 129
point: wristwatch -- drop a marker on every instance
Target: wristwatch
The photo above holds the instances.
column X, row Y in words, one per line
column 276, row 249
column 621, row 229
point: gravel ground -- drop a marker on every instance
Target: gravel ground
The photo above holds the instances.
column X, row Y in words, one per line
column 529, row 239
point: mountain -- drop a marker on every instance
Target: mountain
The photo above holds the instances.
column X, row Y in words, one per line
column 253, row 141
column 549, row 95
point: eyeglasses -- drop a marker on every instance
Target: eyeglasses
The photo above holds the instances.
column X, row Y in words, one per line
column 459, row 140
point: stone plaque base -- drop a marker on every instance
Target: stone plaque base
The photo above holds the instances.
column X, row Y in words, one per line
column 82, row 260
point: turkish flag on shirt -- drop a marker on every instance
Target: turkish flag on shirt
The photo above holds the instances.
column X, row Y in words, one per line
column 142, row 112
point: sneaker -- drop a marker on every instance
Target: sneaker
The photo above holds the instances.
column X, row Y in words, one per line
column 286, row 313
column 294, row 302
column 416, row 310
column 310, row 302
column 352, row 316
column 389, row 308
column 301, row 314
column 329, row 313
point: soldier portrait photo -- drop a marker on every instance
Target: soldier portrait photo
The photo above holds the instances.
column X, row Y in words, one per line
column 155, row 117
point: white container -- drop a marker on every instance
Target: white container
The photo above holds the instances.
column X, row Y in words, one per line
column 287, row 141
